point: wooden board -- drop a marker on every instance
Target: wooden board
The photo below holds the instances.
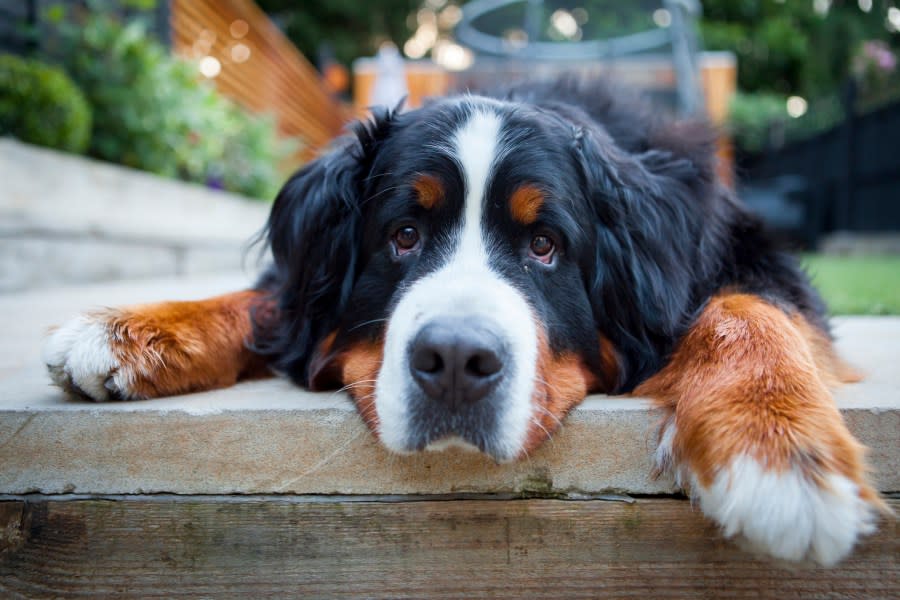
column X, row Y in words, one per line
column 274, row 77
column 224, row 547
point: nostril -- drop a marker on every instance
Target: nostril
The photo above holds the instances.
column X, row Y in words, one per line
column 428, row 361
column 483, row 364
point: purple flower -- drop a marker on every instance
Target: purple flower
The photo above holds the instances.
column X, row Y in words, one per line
column 880, row 54
column 887, row 61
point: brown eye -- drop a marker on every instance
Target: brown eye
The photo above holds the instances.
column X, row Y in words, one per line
column 406, row 239
column 542, row 248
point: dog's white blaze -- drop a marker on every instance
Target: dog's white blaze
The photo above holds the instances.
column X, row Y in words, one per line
column 465, row 287
column 476, row 150
column 784, row 513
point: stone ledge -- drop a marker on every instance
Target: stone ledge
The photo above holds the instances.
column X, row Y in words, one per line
column 75, row 194
column 268, row 437
column 85, row 220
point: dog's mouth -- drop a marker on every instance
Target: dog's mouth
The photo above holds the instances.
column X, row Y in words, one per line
column 475, row 430
column 452, row 442
column 483, row 429
column 506, row 423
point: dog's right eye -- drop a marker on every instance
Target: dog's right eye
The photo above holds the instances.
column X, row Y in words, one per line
column 405, row 239
column 542, row 249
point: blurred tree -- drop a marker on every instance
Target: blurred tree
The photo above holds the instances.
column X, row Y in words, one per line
column 351, row 28
column 802, row 47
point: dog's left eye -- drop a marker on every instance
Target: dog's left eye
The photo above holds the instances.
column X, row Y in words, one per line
column 406, row 239
column 542, row 248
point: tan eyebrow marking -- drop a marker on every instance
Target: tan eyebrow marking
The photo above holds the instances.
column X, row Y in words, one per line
column 429, row 190
column 525, row 203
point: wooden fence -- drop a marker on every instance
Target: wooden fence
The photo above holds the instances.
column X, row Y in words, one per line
column 251, row 61
column 851, row 172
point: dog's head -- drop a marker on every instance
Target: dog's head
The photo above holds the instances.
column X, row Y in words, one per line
column 472, row 269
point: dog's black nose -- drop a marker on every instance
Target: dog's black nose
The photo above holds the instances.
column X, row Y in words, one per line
column 455, row 362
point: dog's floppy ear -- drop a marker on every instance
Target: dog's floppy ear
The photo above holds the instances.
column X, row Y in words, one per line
column 314, row 232
column 648, row 243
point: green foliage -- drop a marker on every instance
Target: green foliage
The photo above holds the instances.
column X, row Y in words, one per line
column 759, row 120
column 751, row 118
column 251, row 155
column 154, row 114
column 138, row 4
column 40, row 105
column 350, row 27
column 786, row 47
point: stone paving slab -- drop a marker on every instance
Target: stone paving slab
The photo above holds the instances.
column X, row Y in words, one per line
column 267, row 437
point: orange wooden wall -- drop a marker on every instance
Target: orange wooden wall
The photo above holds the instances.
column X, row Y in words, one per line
column 260, row 68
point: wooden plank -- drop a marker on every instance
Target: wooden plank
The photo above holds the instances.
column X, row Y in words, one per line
column 226, row 547
column 276, row 78
column 423, row 80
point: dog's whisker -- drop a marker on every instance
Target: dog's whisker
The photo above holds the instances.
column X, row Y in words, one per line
column 368, row 410
column 385, row 191
column 551, row 415
column 544, row 382
column 366, row 398
column 363, row 324
column 353, row 385
column 349, row 386
column 544, row 429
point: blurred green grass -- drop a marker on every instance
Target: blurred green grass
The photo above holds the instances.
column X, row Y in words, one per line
column 856, row 285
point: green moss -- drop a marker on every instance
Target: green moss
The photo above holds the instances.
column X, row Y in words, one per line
column 539, row 485
column 632, row 519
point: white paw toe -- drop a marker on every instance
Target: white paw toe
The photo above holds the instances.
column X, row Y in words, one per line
column 785, row 514
column 79, row 359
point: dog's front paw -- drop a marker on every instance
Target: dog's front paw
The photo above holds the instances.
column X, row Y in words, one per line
column 789, row 513
column 80, row 359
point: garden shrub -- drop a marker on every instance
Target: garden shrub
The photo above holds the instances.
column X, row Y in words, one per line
column 751, row 117
column 759, row 121
column 39, row 104
column 155, row 114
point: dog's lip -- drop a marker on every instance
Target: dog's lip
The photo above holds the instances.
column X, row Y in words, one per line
column 449, row 441
column 454, row 441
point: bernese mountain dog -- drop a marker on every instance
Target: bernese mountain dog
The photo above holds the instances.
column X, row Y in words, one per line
column 469, row 271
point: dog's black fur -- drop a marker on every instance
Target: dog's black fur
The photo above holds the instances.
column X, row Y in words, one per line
column 649, row 232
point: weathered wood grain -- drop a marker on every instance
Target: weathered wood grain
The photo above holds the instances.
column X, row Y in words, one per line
column 227, row 547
